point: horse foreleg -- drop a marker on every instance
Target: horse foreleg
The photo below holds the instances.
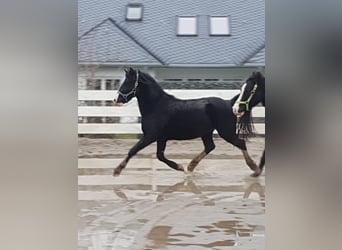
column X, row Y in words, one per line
column 252, row 165
column 258, row 169
column 142, row 143
column 208, row 145
column 241, row 144
column 161, row 144
column 261, row 165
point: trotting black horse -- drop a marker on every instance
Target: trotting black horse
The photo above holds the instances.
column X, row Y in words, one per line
column 164, row 117
column 252, row 93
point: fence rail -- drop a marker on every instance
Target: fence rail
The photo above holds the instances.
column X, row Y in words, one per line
column 108, row 111
column 108, row 95
column 131, row 110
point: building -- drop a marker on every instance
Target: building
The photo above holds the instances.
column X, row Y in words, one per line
column 182, row 43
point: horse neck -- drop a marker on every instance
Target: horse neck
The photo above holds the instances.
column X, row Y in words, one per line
column 149, row 95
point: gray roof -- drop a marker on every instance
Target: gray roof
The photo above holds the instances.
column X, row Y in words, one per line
column 257, row 59
column 109, row 44
column 105, row 37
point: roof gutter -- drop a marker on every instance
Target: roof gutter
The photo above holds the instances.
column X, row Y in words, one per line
column 119, row 63
column 171, row 65
column 204, row 65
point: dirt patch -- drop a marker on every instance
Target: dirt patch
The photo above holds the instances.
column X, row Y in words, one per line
column 118, row 148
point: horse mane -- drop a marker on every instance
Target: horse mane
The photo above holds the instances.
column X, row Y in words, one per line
column 147, row 77
column 245, row 126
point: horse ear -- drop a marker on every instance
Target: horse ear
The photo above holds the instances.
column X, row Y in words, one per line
column 131, row 69
column 259, row 75
column 126, row 70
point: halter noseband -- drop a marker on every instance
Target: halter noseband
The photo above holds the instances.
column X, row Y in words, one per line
column 249, row 98
column 133, row 91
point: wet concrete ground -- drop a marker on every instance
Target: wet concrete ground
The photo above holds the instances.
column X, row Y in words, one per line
column 150, row 206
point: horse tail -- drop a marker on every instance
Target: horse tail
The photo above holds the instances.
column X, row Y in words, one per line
column 245, row 127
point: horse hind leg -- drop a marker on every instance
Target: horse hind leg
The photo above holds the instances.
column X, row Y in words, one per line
column 208, row 147
column 161, row 144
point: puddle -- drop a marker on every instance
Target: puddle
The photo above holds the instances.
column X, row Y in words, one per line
column 159, row 236
column 167, row 210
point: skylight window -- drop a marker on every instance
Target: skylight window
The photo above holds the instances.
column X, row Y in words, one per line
column 219, row 26
column 134, row 12
column 187, row 26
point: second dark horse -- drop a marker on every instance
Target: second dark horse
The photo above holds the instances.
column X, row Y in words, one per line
column 164, row 117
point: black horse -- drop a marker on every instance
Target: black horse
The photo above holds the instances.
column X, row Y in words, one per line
column 252, row 93
column 164, row 117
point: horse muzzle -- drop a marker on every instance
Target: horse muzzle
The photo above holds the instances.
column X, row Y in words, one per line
column 236, row 111
column 239, row 114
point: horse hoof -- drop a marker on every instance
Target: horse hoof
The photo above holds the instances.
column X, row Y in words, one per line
column 116, row 172
column 180, row 168
column 256, row 173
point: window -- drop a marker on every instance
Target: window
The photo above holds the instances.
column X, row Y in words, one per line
column 134, row 12
column 187, row 26
column 219, row 26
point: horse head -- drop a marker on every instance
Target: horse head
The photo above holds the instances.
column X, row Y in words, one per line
column 128, row 88
column 252, row 93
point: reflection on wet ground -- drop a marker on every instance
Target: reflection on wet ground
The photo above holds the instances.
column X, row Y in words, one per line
column 152, row 207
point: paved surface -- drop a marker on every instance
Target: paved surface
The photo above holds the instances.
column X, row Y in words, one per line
column 150, row 206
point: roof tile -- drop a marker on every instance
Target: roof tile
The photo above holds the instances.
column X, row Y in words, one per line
column 157, row 32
